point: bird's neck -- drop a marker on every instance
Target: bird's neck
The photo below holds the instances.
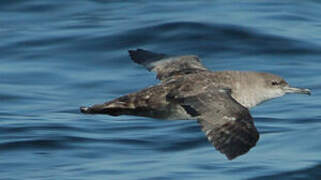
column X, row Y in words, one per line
column 247, row 100
column 251, row 97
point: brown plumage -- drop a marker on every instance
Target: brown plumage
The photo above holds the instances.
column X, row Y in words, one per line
column 218, row 100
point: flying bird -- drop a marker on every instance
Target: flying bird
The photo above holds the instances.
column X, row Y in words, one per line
column 219, row 100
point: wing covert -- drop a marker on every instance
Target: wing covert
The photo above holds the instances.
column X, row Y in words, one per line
column 227, row 124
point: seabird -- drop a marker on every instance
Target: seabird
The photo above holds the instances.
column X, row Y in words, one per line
column 219, row 101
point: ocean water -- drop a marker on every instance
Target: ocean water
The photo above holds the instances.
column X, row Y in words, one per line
column 56, row 56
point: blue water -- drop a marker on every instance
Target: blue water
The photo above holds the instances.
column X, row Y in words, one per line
column 58, row 55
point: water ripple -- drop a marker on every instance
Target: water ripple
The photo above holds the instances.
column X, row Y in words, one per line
column 56, row 57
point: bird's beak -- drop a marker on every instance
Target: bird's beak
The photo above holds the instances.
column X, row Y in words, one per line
column 289, row 89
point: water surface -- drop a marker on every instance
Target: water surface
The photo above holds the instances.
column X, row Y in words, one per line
column 58, row 55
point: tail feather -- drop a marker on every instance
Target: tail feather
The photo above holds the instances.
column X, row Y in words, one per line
column 113, row 108
column 149, row 102
column 101, row 109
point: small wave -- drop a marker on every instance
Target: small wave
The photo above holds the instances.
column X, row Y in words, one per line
column 313, row 172
column 213, row 38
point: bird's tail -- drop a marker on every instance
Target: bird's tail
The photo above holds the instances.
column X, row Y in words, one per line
column 149, row 102
column 124, row 105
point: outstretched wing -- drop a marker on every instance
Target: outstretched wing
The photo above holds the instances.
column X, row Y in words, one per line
column 227, row 124
column 166, row 66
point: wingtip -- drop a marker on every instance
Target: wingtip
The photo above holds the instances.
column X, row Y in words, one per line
column 133, row 55
column 231, row 157
column 141, row 56
column 131, row 51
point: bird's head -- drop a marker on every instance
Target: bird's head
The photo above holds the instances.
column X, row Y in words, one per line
column 277, row 86
column 261, row 87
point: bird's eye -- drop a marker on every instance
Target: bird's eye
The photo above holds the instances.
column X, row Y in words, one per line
column 274, row 83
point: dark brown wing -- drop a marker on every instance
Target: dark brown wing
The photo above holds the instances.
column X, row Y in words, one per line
column 166, row 66
column 227, row 124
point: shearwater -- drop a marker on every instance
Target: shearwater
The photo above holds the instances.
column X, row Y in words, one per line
column 219, row 101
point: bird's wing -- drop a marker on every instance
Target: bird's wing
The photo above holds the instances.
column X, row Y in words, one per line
column 166, row 66
column 227, row 124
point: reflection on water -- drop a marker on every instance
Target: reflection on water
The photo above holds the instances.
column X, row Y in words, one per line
column 57, row 56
